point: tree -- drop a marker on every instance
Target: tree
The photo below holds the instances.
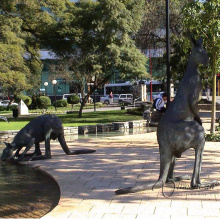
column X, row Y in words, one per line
column 13, row 70
column 102, row 43
column 151, row 35
column 25, row 26
column 206, row 23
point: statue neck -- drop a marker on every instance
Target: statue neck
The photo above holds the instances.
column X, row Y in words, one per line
column 192, row 67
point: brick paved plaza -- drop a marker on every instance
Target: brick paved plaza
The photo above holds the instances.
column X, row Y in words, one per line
column 88, row 182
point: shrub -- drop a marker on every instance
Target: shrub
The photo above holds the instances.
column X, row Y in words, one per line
column 61, row 103
column 73, row 99
column 26, row 99
column 135, row 111
column 205, row 101
column 43, row 102
column 2, row 108
column 11, row 107
column 217, row 128
column 34, row 104
column 212, row 137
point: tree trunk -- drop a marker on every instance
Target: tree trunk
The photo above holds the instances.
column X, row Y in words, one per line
column 213, row 95
column 80, row 110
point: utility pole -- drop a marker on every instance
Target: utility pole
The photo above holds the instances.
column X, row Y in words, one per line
column 168, row 50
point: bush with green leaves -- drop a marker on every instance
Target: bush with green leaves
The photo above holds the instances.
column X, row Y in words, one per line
column 135, row 111
column 26, row 99
column 2, row 108
column 73, row 99
column 213, row 137
column 61, row 103
column 43, row 102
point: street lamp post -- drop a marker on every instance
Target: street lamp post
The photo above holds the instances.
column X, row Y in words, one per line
column 45, row 84
column 54, row 82
column 168, row 50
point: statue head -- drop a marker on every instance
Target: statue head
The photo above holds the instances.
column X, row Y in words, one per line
column 199, row 54
column 7, row 152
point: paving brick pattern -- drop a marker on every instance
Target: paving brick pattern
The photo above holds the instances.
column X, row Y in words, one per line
column 88, row 182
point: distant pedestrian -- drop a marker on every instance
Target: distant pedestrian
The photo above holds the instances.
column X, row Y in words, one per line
column 208, row 91
column 111, row 97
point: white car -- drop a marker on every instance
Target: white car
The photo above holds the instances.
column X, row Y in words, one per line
column 80, row 96
column 106, row 99
column 128, row 98
column 5, row 103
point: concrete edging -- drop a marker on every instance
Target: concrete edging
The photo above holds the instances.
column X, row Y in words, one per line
column 87, row 129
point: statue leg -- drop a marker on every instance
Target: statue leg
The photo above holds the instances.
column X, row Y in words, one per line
column 36, row 152
column 28, row 147
column 199, row 144
column 171, row 178
column 167, row 163
column 199, row 147
column 170, row 173
column 37, row 149
column 47, row 154
column 17, row 155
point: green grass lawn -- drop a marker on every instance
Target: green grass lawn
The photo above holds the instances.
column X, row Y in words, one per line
column 90, row 118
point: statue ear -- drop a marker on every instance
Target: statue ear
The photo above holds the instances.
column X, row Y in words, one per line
column 200, row 41
column 193, row 41
column 7, row 145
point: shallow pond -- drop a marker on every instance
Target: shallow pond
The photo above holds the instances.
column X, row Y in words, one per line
column 129, row 132
column 25, row 192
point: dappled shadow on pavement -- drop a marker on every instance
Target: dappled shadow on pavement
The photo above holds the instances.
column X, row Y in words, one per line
column 88, row 182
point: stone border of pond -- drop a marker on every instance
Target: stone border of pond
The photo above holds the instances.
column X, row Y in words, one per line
column 87, row 129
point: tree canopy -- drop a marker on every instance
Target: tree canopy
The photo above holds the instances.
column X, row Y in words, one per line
column 100, row 40
column 24, row 28
column 202, row 18
column 90, row 38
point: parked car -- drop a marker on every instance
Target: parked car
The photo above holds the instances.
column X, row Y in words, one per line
column 106, row 99
column 126, row 98
column 79, row 94
column 5, row 103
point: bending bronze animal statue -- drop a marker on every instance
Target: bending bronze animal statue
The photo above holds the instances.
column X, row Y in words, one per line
column 4, row 118
column 42, row 128
column 180, row 128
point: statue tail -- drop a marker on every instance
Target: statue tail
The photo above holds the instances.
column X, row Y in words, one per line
column 85, row 151
column 63, row 144
column 69, row 152
column 138, row 188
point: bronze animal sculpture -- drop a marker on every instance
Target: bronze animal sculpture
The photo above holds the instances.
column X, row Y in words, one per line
column 180, row 128
column 4, row 118
column 42, row 128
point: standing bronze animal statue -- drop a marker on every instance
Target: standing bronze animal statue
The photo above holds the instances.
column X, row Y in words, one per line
column 180, row 128
column 42, row 128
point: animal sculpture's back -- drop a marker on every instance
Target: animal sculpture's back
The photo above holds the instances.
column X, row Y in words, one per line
column 42, row 128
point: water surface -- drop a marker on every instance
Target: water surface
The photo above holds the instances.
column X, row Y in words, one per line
column 25, row 192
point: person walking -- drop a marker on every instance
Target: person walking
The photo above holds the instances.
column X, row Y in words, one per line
column 111, row 97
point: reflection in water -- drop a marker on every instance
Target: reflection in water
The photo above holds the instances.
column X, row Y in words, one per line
column 25, row 192
column 129, row 131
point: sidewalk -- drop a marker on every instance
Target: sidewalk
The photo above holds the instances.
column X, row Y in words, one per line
column 88, row 182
